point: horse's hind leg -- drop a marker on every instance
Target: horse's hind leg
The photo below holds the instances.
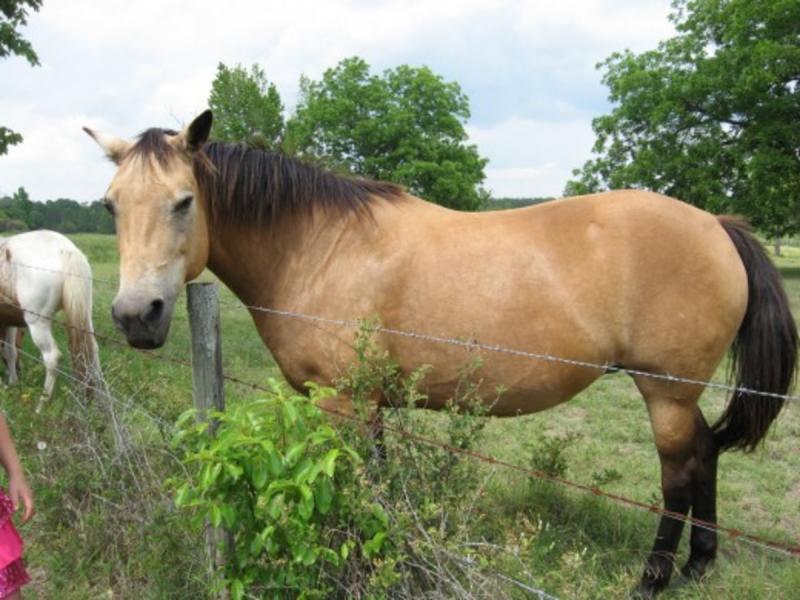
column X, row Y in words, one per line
column 673, row 418
column 10, row 353
column 704, row 501
column 43, row 338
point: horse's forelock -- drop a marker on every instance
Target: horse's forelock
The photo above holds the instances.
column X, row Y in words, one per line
column 153, row 143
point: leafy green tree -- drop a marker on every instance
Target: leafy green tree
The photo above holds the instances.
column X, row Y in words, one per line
column 13, row 15
column 711, row 116
column 18, row 212
column 406, row 125
column 247, row 107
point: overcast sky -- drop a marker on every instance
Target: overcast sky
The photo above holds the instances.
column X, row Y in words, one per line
column 121, row 66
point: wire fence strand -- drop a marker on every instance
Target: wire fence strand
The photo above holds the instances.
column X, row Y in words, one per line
column 785, row 549
column 496, row 348
column 476, row 345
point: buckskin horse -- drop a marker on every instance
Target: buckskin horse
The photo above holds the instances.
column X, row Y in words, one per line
column 626, row 278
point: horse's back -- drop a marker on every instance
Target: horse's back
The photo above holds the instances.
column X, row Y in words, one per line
column 40, row 245
column 35, row 268
column 631, row 278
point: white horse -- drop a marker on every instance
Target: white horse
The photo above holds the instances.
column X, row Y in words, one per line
column 42, row 272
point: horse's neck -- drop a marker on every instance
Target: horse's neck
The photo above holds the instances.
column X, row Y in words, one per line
column 258, row 261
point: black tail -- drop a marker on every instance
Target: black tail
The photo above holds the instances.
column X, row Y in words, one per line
column 765, row 349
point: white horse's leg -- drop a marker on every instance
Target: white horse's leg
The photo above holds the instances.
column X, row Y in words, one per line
column 43, row 338
column 10, row 353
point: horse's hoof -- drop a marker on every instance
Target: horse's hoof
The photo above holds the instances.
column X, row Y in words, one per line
column 647, row 589
column 641, row 592
column 695, row 570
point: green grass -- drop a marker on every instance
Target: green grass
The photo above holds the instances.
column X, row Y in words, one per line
column 571, row 544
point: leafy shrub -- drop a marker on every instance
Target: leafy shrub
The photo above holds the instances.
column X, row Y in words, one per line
column 547, row 453
column 321, row 512
column 431, row 493
column 291, row 491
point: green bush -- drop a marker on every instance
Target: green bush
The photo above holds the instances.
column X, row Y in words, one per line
column 291, row 491
column 548, row 453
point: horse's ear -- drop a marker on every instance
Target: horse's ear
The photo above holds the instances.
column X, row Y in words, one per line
column 196, row 134
column 114, row 147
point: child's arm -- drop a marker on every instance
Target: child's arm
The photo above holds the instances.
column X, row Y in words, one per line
column 18, row 489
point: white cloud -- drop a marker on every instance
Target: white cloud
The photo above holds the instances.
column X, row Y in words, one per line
column 528, row 68
column 530, row 157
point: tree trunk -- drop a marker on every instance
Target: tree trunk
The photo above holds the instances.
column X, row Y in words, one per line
column 777, row 246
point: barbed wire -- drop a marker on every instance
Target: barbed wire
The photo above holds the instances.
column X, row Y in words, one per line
column 164, row 425
column 475, row 345
column 496, row 348
column 786, row 549
column 62, row 272
column 789, row 550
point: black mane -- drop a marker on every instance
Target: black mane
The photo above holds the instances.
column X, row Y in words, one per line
column 249, row 185
column 246, row 184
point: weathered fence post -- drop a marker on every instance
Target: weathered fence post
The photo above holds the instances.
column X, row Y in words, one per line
column 207, row 382
column 203, row 305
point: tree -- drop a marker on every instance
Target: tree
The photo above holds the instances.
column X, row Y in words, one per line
column 711, row 116
column 405, row 126
column 13, row 15
column 18, row 213
column 247, row 108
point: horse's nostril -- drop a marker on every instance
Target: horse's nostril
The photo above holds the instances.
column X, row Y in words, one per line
column 153, row 315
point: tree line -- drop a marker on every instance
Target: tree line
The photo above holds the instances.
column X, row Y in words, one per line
column 19, row 213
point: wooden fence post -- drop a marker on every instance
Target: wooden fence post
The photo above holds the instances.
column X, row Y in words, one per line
column 207, row 382
column 203, row 305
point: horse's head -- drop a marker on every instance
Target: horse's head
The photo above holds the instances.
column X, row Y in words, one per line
column 162, row 230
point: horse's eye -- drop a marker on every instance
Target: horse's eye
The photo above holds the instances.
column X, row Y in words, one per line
column 109, row 206
column 183, row 205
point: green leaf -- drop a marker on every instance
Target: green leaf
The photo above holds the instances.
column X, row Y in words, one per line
column 215, row 515
column 373, row 546
column 290, row 413
column 276, row 505
column 237, row 589
column 228, row 515
column 259, row 474
column 330, row 556
column 294, row 453
column 183, row 496
column 329, row 462
column 234, row 471
column 380, row 514
column 306, row 505
column 256, row 545
column 344, row 550
column 274, row 464
column 324, row 495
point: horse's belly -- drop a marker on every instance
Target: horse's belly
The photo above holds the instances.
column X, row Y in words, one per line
column 537, row 391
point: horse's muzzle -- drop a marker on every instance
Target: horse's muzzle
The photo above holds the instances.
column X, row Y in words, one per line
column 144, row 323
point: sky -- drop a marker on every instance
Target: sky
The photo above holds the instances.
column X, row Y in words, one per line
column 527, row 66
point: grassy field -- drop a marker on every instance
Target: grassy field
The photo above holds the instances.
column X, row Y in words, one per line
column 569, row 544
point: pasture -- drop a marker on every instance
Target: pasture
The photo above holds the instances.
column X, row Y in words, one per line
column 106, row 526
